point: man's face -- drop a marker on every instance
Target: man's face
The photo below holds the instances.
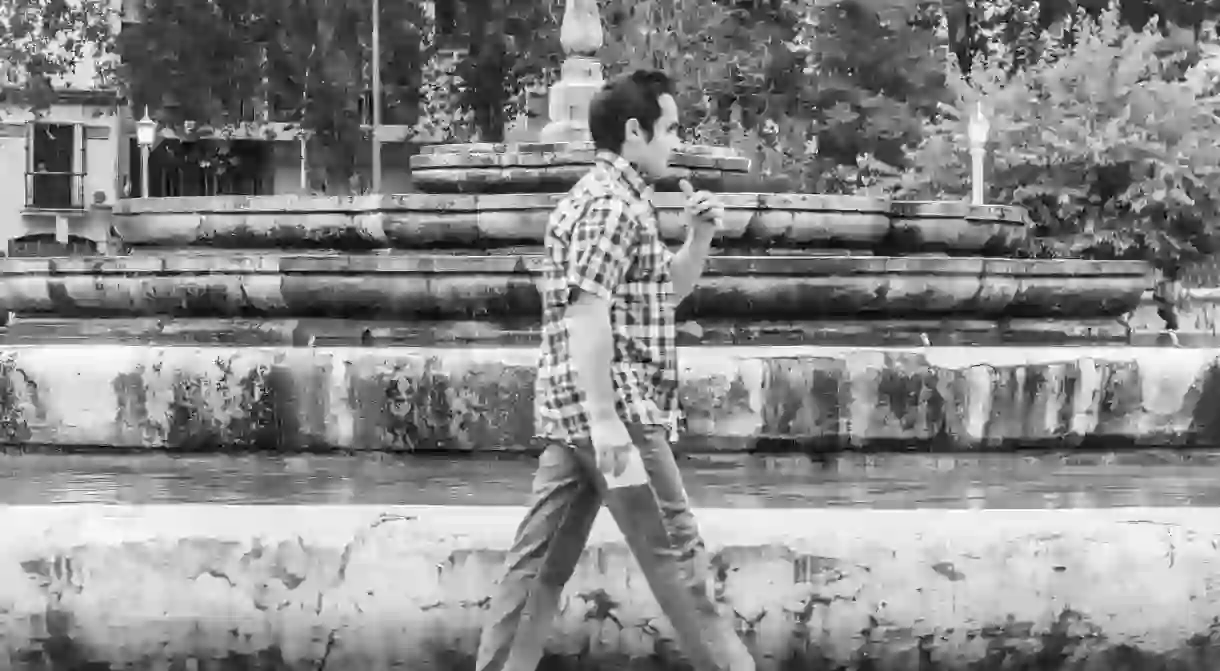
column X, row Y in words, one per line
column 651, row 156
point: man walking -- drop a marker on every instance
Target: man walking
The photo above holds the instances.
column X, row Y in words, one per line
column 606, row 396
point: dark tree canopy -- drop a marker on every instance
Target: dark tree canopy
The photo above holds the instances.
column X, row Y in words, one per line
column 303, row 62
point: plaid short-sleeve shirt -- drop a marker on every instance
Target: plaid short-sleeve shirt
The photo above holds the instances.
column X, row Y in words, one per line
column 603, row 238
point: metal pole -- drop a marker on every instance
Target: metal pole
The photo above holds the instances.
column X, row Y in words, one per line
column 977, row 154
column 304, row 165
column 376, row 96
column 145, row 150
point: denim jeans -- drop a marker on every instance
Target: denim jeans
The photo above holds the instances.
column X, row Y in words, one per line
column 656, row 521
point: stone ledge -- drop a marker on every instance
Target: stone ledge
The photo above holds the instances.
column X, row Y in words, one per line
column 338, row 332
column 295, row 588
column 501, row 287
column 760, row 221
column 465, row 399
column 188, row 261
column 555, row 167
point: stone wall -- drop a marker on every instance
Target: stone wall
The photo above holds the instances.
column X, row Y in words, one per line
column 479, row 399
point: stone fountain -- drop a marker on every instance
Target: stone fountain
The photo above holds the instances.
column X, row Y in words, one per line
column 407, row 321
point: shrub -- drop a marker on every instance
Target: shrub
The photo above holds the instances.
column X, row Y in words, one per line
column 1106, row 138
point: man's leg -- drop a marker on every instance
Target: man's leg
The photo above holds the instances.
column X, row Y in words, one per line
column 549, row 542
column 660, row 529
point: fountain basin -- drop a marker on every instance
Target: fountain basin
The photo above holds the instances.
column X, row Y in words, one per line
column 755, row 223
column 255, row 222
column 438, row 286
column 951, row 226
column 554, row 167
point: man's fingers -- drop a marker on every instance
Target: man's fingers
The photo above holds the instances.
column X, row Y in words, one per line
column 702, row 204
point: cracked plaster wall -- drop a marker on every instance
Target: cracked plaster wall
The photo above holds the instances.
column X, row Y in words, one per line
column 480, row 399
column 216, row 587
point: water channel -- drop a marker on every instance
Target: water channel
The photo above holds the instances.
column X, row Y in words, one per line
column 883, row 481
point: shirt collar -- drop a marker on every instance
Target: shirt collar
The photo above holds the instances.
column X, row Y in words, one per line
column 619, row 168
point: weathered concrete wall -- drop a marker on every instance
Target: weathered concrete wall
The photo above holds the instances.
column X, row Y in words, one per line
column 953, row 398
column 217, row 587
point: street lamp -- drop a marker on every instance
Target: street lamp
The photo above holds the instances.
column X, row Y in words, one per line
column 376, row 96
column 978, row 129
column 146, row 134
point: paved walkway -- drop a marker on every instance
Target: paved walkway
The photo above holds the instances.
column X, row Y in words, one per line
column 1145, row 478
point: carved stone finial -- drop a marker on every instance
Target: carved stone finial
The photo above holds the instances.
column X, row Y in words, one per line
column 580, row 77
column 581, row 30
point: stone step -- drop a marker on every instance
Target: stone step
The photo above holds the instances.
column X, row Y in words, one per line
column 377, row 587
column 445, row 286
column 480, row 399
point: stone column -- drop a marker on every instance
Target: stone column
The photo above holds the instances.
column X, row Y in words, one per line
column 580, row 77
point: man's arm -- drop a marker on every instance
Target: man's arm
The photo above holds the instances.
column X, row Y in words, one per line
column 704, row 212
column 602, row 248
column 688, row 263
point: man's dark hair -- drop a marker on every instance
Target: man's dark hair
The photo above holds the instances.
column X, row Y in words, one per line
column 634, row 96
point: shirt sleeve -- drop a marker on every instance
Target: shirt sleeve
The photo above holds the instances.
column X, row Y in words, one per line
column 602, row 248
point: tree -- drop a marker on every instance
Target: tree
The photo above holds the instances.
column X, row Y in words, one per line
column 1102, row 139
column 41, row 40
column 1017, row 31
column 217, row 64
column 511, row 51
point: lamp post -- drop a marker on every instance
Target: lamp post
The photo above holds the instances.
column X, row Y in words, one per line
column 146, row 133
column 376, row 96
column 304, row 141
column 978, row 130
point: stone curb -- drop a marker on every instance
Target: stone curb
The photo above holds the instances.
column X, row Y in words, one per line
column 371, row 587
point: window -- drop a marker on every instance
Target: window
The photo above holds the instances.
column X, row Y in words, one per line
column 55, row 166
column 205, row 168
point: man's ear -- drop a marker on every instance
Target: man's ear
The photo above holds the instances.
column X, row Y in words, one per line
column 632, row 128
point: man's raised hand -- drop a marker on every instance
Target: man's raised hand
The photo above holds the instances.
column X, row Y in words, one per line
column 702, row 207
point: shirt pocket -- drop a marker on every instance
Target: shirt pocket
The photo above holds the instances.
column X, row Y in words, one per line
column 653, row 258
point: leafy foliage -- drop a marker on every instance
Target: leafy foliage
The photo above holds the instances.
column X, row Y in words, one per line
column 788, row 84
column 510, row 51
column 1103, row 135
column 42, row 40
column 213, row 64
